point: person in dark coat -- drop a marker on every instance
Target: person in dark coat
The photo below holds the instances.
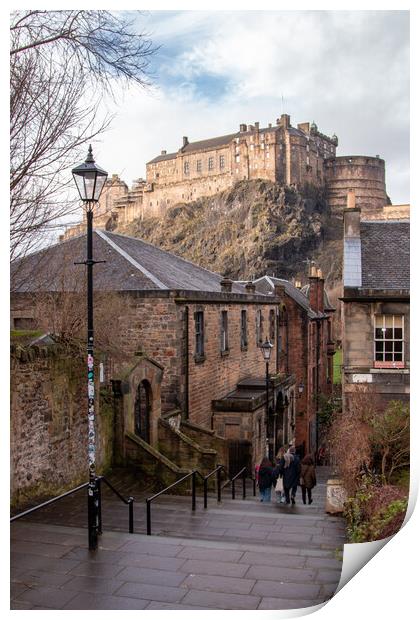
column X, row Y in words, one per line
column 307, row 478
column 265, row 480
column 289, row 469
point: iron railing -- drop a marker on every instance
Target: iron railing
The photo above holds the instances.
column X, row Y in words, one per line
column 98, row 480
column 193, row 475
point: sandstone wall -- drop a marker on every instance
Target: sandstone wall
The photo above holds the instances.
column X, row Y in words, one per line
column 48, row 428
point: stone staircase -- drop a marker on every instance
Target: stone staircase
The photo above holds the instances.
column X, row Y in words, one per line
column 239, row 554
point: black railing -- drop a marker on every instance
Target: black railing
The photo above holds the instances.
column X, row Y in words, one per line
column 48, row 502
column 149, row 500
column 193, row 475
column 129, row 502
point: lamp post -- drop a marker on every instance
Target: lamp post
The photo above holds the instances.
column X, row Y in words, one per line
column 90, row 180
column 266, row 351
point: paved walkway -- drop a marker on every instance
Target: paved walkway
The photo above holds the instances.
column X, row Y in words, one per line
column 240, row 554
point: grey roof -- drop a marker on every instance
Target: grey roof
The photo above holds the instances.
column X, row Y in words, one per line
column 209, row 143
column 162, row 158
column 265, row 285
column 385, row 254
column 131, row 264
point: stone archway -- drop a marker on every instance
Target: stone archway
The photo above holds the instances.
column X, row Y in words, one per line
column 139, row 408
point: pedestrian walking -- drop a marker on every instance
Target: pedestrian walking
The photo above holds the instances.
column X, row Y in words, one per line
column 307, row 478
column 289, row 470
column 265, row 479
column 279, row 488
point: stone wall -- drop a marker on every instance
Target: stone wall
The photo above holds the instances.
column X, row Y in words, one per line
column 48, row 441
column 359, row 356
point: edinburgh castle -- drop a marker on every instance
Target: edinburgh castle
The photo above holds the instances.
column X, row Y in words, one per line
column 281, row 153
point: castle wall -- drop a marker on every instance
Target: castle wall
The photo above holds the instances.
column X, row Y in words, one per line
column 365, row 175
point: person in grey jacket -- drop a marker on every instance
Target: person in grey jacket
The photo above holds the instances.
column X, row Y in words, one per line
column 289, row 469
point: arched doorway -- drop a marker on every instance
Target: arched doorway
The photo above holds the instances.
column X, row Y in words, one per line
column 142, row 409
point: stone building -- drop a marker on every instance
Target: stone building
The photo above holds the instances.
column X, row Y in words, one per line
column 376, row 304
column 306, row 350
column 191, row 388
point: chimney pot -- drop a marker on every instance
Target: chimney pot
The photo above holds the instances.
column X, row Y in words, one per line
column 163, row 152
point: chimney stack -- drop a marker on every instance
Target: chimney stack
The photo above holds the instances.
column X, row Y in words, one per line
column 163, row 152
column 250, row 288
column 313, row 288
column 242, row 127
column 226, row 285
column 298, row 284
column 285, row 121
column 184, row 140
column 320, row 291
column 352, row 255
column 257, row 125
column 351, row 199
column 279, row 290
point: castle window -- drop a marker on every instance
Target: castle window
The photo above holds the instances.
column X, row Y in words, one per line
column 211, row 163
column 186, row 167
column 237, row 158
column 224, row 343
column 389, row 341
column 268, row 154
column 222, row 161
column 199, row 165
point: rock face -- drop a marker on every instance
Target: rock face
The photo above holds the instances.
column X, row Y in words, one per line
column 254, row 228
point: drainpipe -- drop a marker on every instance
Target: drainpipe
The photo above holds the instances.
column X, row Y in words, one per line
column 187, row 365
column 318, row 347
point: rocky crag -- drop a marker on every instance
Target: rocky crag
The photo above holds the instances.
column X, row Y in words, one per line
column 255, row 228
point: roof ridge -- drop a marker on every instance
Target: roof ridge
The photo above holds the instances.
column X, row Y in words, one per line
column 131, row 260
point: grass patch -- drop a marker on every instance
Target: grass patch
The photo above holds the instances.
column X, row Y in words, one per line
column 337, row 364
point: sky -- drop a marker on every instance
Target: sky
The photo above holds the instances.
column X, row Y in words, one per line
column 346, row 70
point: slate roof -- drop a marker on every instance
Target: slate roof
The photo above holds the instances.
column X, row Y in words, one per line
column 131, row 264
column 209, row 143
column 385, row 254
column 265, row 285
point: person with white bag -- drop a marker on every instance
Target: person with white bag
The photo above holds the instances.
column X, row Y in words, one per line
column 279, row 488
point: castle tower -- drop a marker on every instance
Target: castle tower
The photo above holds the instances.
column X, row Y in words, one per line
column 364, row 175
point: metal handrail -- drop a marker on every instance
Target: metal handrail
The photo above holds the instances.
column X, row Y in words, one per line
column 149, row 500
column 129, row 501
column 48, row 502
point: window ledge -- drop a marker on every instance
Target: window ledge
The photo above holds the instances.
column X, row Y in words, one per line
column 224, row 353
column 199, row 359
column 244, row 347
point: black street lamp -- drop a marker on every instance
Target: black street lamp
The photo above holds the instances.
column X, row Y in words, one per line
column 266, row 351
column 90, row 180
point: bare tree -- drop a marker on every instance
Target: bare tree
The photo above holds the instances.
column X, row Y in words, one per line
column 61, row 65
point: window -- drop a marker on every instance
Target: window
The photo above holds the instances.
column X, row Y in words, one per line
column 272, row 325
column 211, row 163
column 222, row 162
column 237, row 158
column 199, row 166
column 389, row 341
column 186, row 167
column 258, row 320
column 224, row 343
column 244, row 335
column 199, row 334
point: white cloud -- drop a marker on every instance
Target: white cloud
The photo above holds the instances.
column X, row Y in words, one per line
column 348, row 71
